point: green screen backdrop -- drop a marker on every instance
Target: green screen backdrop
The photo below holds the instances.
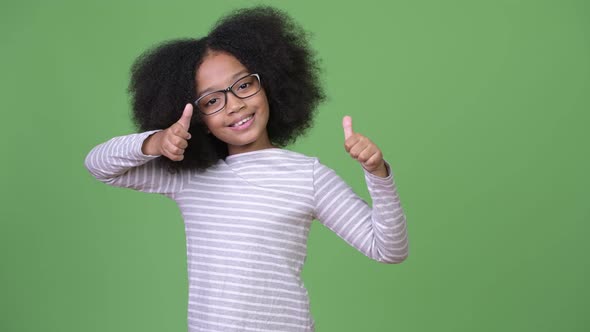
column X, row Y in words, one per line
column 481, row 108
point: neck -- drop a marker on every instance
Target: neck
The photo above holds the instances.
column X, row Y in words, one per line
column 254, row 146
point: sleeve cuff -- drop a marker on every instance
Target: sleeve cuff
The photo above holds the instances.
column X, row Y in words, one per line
column 377, row 179
column 140, row 138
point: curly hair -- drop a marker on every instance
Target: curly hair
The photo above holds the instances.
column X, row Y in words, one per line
column 266, row 41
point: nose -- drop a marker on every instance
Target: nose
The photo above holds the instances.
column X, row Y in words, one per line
column 233, row 103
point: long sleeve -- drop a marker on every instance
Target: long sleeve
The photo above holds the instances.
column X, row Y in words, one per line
column 379, row 232
column 120, row 162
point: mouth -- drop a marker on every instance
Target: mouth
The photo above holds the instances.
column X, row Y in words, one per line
column 243, row 123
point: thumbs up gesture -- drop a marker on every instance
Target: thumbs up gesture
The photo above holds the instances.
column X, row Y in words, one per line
column 173, row 141
column 363, row 149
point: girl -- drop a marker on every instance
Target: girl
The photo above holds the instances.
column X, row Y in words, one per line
column 252, row 87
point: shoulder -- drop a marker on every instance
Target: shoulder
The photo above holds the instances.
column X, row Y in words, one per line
column 312, row 163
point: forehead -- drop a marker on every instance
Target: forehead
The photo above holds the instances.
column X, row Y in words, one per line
column 217, row 71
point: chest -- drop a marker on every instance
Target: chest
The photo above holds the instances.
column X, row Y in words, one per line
column 250, row 206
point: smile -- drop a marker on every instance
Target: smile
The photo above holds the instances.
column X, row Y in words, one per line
column 243, row 124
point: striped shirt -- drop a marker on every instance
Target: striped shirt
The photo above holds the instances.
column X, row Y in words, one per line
column 247, row 220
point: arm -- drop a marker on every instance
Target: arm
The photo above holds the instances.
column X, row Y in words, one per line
column 120, row 162
column 132, row 161
column 378, row 232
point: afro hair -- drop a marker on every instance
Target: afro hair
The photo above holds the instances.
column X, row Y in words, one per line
column 266, row 41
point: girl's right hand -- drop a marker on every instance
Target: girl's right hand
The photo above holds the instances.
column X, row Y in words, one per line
column 172, row 141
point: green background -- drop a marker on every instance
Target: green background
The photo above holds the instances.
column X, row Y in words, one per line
column 481, row 107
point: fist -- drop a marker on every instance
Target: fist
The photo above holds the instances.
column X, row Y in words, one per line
column 363, row 149
column 172, row 141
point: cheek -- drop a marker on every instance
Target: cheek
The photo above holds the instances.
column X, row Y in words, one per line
column 262, row 105
column 211, row 123
column 264, row 100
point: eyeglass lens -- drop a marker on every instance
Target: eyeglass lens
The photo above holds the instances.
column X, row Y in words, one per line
column 243, row 88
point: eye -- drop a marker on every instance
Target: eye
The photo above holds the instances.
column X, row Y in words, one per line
column 211, row 102
column 244, row 85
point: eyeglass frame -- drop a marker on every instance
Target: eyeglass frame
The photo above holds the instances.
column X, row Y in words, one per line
column 225, row 91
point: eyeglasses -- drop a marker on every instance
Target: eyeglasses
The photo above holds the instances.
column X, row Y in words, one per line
column 214, row 102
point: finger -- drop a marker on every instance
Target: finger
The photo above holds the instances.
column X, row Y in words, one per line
column 352, row 141
column 375, row 160
column 173, row 150
column 179, row 142
column 356, row 150
column 185, row 119
column 177, row 151
column 176, row 157
column 178, row 130
column 347, row 125
column 182, row 144
column 172, row 154
column 367, row 153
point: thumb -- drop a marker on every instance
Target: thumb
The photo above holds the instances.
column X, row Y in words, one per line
column 185, row 119
column 347, row 125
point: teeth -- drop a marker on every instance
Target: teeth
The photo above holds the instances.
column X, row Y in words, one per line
column 242, row 122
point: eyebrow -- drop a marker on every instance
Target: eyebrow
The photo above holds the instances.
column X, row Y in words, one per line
column 237, row 75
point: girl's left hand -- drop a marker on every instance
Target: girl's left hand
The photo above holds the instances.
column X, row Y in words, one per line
column 363, row 149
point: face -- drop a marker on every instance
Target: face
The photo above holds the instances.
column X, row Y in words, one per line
column 218, row 71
